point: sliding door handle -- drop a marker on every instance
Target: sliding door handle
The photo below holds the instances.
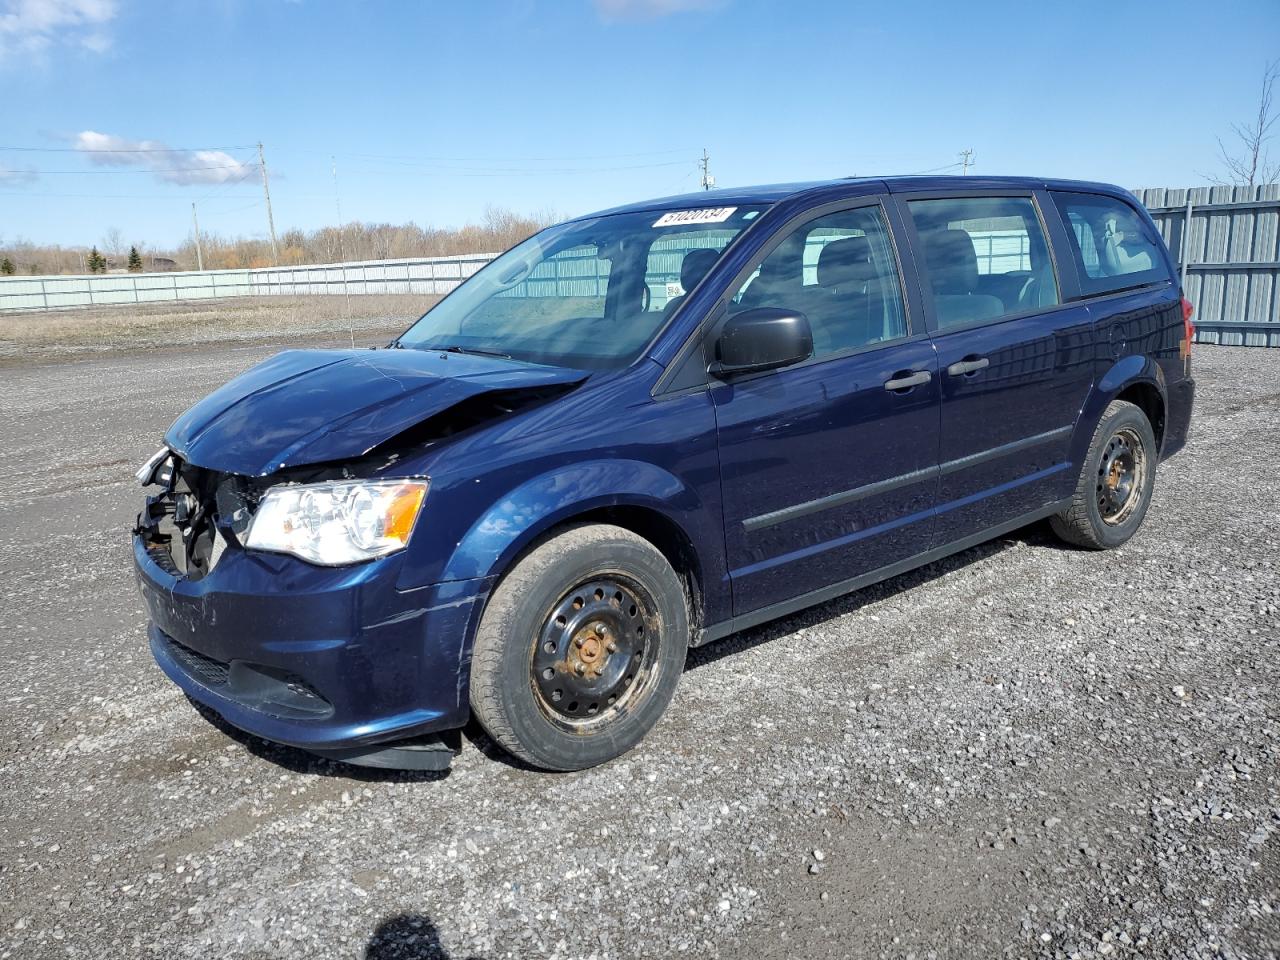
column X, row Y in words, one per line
column 906, row 380
column 963, row 367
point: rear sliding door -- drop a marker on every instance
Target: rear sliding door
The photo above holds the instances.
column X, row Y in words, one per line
column 1015, row 364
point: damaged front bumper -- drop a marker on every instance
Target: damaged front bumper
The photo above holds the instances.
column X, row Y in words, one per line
column 333, row 660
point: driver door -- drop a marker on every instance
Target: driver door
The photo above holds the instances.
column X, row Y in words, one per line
column 829, row 467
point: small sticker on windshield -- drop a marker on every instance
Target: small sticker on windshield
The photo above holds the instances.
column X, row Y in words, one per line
column 705, row 215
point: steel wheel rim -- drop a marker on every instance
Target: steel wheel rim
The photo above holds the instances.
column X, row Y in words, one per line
column 595, row 652
column 1121, row 477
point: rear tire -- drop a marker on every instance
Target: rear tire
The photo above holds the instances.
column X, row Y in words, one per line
column 580, row 648
column 1113, row 492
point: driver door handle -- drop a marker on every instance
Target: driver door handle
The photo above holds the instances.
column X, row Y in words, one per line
column 907, row 382
column 960, row 368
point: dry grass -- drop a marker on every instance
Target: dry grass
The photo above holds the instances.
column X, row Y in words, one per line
column 68, row 333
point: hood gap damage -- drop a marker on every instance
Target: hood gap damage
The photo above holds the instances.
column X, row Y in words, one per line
column 181, row 525
column 477, row 410
column 308, row 407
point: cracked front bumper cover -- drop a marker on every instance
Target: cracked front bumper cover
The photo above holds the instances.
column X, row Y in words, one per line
column 326, row 659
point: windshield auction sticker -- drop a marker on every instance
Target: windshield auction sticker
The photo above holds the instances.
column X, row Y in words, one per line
column 705, row 215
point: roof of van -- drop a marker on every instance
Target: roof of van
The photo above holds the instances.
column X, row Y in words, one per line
column 773, row 192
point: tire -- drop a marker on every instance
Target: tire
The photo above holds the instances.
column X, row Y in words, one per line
column 580, row 648
column 1113, row 492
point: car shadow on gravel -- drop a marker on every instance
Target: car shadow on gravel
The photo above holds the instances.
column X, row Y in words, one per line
column 1035, row 535
column 408, row 936
column 299, row 761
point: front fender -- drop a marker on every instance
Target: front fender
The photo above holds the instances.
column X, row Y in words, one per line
column 1123, row 373
column 541, row 503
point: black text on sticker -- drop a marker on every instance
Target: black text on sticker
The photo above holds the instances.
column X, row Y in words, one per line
column 706, row 215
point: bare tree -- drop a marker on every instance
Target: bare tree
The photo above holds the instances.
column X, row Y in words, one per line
column 113, row 242
column 1251, row 164
column 354, row 240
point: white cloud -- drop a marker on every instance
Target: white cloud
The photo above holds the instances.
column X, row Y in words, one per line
column 33, row 26
column 649, row 9
column 172, row 166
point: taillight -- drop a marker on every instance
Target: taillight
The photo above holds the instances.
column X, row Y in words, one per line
column 1188, row 328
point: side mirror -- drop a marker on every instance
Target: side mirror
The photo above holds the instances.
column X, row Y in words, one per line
column 764, row 338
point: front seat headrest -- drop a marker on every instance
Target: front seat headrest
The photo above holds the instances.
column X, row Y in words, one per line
column 952, row 261
column 696, row 265
column 845, row 261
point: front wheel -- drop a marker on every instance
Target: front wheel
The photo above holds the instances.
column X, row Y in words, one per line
column 580, row 648
column 1114, row 489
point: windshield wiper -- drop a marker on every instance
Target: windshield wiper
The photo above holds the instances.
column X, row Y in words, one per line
column 478, row 351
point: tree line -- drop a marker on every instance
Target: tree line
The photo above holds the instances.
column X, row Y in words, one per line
column 497, row 230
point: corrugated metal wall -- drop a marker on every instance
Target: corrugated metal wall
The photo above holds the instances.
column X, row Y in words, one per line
column 1230, row 260
column 1229, row 257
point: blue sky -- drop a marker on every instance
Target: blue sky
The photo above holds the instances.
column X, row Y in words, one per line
column 435, row 110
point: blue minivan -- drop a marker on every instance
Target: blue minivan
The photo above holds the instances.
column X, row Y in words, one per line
column 643, row 430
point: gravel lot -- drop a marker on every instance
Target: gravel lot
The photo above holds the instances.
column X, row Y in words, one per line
column 70, row 334
column 1025, row 750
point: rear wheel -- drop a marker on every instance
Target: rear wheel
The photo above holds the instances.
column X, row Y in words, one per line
column 1113, row 492
column 580, row 648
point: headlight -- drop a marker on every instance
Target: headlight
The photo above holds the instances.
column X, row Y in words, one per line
column 157, row 469
column 336, row 523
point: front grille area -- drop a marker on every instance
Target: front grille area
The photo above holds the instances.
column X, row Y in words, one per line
column 210, row 672
column 262, row 688
column 196, row 515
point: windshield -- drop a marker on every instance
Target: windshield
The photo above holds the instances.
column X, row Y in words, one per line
column 588, row 294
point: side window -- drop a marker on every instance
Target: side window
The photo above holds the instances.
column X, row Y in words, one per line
column 1115, row 248
column 841, row 273
column 984, row 257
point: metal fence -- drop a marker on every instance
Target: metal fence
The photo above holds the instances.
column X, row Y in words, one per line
column 436, row 275
column 1226, row 241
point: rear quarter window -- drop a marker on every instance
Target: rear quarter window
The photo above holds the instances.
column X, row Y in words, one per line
column 1113, row 245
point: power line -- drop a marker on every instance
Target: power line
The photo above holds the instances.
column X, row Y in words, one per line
column 248, row 146
column 519, row 171
column 248, row 206
column 966, row 158
column 24, row 194
column 248, row 170
column 425, row 159
column 680, row 180
column 154, row 170
column 917, row 173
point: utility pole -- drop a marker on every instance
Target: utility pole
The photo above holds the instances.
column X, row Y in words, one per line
column 266, row 190
column 342, row 251
column 966, row 161
column 708, row 181
column 195, row 222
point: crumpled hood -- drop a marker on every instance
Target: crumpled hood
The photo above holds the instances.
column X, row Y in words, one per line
column 312, row 406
